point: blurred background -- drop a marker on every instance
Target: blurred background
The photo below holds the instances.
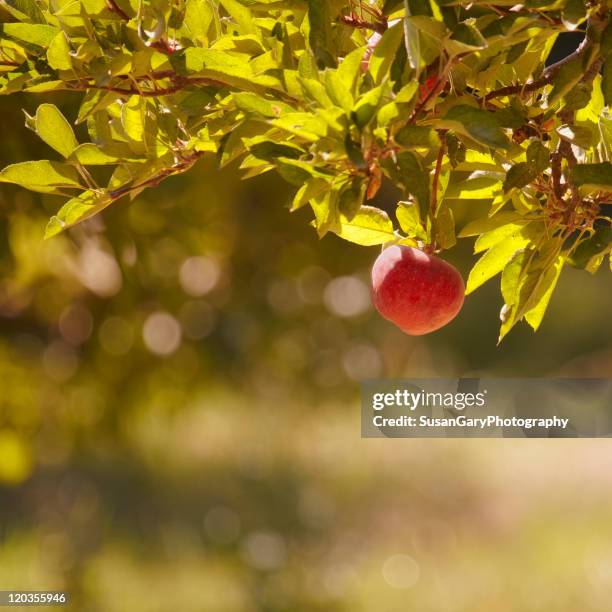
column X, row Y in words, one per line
column 179, row 418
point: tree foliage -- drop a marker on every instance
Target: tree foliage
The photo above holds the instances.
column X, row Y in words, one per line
column 451, row 102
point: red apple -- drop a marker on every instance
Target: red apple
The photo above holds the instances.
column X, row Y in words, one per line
column 418, row 292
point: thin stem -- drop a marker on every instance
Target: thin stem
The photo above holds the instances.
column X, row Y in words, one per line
column 436, row 178
column 597, row 21
column 362, row 24
column 177, row 168
column 178, row 83
column 115, row 8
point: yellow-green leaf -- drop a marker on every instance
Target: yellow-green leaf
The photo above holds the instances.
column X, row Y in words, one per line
column 369, row 227
column 494, row 261
column 76, row 210
column 54, row 129
column 409, row 218
column 58, row 53
column 43, row 176
column 545, row 290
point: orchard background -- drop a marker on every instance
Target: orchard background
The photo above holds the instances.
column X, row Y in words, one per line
column 179, row 407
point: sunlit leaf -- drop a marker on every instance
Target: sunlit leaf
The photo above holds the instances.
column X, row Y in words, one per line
column 478, row 124
column 369, row 227
column 76, row 210
column 43, row 176
column 54, row 129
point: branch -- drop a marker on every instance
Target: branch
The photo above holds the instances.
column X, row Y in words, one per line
column 379, row 24
column 596, row 21
column 362, row 24
column 178, row 168
column 178, row 82
column 522, row 89
column 115, row 8
column 436, row 177
column 555, row 165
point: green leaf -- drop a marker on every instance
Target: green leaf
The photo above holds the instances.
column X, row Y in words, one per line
column 133, row 118
column 573, row 13
column 495, row 259
column 566, row 78
column 76, row 210
column 42, row 176
column 384, row 53
column 311, row 189
column 444, row 227
column 241, row 15
column 58, row 53
column 409, row 218
column 595, row 245
column 411, row 173
column 598, row 176
column 541, row 297
column 54, row 129
column 253, row 104
column 538, row 156
column 528, row 283
column 366, row 106
column 487, row 224
column 45, row 86
column 325, row 208
column 511, row 276
column 199, row 16
column 89, row 154
column 319, row 37
column 304, row 125
column 33, row 33
column 24, row 10
column 349, row 69
column 369, row 227
column 579, row 135
column 269, row 150
column 412, row 40
column 94, row 101
column 336, row 89
column 520, row 175
column 417, row 136
column 465, row 39
column 479, row 125
column 227, row 68
column 316, row 91
column 351, row 198
column 489, row 239
column 296, row 172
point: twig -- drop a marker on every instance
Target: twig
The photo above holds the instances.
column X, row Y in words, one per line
column 356, row 22
column 522, row 89
column 115, row 8
column 598, row 22
column 436, row 177
column 555, row 165
column 178, row 82
column 177, row 168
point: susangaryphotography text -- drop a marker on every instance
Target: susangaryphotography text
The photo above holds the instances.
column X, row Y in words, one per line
column 542, row 408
